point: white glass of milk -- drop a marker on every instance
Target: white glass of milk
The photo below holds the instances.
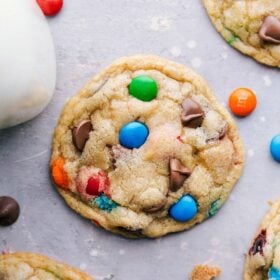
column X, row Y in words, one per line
column 27, row 62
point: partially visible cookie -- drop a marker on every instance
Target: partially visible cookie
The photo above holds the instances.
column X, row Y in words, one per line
column 144, row 149
column 263, row 258
column 205, row 272
column 252, row 27
column 30, row 266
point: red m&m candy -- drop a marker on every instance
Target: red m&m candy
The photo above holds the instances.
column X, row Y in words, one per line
column 98, row 184
column 50, row 7
column 242, row 102
column 93, row 185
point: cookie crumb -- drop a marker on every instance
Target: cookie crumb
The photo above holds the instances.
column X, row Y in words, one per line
column 205, row 272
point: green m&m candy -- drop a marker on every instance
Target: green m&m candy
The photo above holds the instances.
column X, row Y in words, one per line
column 143, row 87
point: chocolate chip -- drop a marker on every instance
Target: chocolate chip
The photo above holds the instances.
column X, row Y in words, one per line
column 155, row 208
column 80, row 134
column 178, row 174
column 9, row 210
column 192, row 115
column 258, row 244
column 270, row 30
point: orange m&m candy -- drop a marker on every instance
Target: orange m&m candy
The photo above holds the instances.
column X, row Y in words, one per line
column 242, row 102
column 58, row 173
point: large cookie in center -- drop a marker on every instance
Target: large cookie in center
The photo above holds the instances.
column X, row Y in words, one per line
column 145, row 149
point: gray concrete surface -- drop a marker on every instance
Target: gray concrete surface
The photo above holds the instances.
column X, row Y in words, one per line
column 88, row 35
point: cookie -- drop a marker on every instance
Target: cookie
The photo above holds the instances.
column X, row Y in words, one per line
column 252, row 27
column 205, row 272
column 263, row 258
column 24, row 266
column 144, row 149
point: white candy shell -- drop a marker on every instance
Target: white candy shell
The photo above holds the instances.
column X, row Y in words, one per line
column 27, row 62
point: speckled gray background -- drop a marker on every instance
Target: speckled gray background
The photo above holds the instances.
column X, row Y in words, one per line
column 88, row 35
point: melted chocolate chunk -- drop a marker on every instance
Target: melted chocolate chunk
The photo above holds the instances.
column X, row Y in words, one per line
column 192, row 115
column 270, row 30
column 80, row 134
column 9, row 211
column 178, row 174
column 258, row 244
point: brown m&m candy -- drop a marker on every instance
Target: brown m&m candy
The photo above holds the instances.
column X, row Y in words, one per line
column 178, row 174
column 192, row 115
column 9, row 211
column 270, row 30
column 80, row 134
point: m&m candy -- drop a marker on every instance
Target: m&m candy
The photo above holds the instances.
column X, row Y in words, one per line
column 184, row 209
column 275, row 147
column 133, row 135
column 242, row 102
column 50, row 7
column 274, row 273
column 143, row 87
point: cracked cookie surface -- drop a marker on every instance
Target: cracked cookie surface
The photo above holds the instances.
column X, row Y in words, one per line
column 192, row 149
column 30, row 266
column 263, row 258
column 249, row 25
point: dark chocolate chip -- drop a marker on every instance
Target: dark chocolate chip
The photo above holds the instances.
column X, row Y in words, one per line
column 258, row 244
column 178, row 174
column 270, row 30
column 192, row 115
column 9, row 211
column 80, row 134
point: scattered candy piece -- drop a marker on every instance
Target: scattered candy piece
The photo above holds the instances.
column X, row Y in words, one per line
column 274, row 273
column 270, row 30
column 9, row 211
column 275, row 147
column 178, row 174
column 133, row 135
column 258, row 244
column 192, row 115
column 103, row 202
column 184, row 209
column 80, row 134
column 50, row 7
column 242, row 102
column 143, row 87
column 58, row 173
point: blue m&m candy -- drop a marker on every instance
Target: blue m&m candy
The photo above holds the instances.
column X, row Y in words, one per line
column 133, row 135
column 274, row 273
column 275, row 147
column 184, row 209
